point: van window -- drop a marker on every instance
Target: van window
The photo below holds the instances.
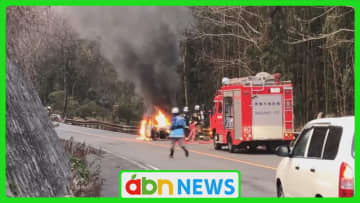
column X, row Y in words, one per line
column 220, row 107
column 332, row 143
column 317, row 142
column 300, row 146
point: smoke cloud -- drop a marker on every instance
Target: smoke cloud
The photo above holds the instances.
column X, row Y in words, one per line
column 141, row 42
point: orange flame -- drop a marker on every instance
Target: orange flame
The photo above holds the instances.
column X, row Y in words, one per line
column 159, row 121
column 145, row 129
column 142, row 128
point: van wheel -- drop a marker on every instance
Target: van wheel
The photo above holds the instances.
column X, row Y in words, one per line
column 279, row 190
column 231, row 147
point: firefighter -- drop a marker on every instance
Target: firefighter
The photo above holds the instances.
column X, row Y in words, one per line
column 194, row 123
column 196, row 115
column 49, row 110
column 202, row 113
column 187, row 120
column 177, row 132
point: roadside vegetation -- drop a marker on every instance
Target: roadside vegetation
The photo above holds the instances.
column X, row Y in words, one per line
column 85, row 168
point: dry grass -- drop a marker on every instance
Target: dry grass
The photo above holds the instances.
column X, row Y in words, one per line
column 85, row 167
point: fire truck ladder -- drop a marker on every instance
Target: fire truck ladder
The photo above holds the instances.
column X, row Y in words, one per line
column 287, row 110
column 260, row 79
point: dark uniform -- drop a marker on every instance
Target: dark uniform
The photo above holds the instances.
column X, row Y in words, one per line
column 187, row 123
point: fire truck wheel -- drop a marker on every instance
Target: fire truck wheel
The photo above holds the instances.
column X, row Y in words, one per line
column 231, row 147
column 217, row 146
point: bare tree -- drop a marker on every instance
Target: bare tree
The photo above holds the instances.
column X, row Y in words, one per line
column 25, row 30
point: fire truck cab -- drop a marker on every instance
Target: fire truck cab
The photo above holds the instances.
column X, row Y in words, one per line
column 252, row 111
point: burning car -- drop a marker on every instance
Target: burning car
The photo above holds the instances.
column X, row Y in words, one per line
column 155, row 126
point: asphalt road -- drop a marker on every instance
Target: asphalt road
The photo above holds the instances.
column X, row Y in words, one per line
column 257, row 169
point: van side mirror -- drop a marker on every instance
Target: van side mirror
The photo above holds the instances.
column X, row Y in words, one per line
column 283, row 151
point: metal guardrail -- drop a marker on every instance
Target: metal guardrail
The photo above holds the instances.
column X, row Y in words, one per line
column 122, row 127
column 131, row 129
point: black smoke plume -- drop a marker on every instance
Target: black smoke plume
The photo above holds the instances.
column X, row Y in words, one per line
column 154, row 66
column 141, row 42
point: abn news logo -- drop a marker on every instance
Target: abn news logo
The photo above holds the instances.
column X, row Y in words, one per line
column 180, row 184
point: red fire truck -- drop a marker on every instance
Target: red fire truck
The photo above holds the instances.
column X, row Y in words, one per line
column 253, row 111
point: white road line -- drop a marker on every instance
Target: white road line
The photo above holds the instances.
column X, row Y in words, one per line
column 141, row 165
column 152, row 167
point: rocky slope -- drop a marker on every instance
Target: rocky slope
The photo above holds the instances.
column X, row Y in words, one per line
column 36, row 163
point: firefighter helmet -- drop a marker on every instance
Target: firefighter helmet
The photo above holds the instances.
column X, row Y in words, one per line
column 225, row 81
column 186, row 109
column 197, row 108
column 175, row 110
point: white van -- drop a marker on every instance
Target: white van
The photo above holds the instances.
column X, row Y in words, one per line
column 321, row 161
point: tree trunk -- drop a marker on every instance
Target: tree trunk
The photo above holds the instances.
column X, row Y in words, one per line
column 335, row 83
column 325, row 87
column 65, row 91
column 185, row 76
